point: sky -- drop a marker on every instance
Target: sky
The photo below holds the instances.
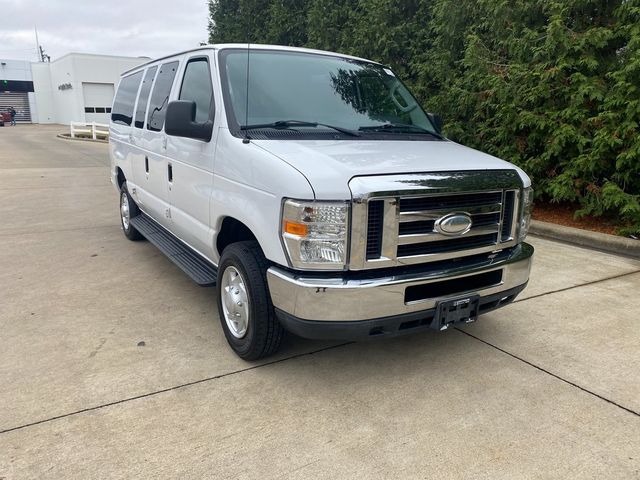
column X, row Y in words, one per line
column 113, row 27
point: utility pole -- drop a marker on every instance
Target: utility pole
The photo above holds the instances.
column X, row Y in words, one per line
column 43, row 57
column 38, row 50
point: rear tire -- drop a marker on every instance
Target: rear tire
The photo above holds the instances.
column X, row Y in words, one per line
column 128, row 210
column 244, row 304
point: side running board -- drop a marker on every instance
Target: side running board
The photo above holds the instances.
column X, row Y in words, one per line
column 200, row 270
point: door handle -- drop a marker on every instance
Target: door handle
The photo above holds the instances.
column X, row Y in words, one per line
column 169, row 172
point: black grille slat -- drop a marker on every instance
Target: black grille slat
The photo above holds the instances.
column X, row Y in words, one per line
column 449, row 202
column 442, row 246
column 485, row 219
column 507, row 220
column 409, row 228
column 374, row 229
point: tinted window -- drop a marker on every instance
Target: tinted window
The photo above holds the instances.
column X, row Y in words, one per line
column 125, row 99
column 160, row 96
column 141, row 109
column 314, row 88
column 196, row 86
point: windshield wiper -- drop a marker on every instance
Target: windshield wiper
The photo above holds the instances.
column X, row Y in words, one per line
column 391, row 126
column 299, row 123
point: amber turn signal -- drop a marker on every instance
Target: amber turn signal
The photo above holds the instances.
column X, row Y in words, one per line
column 294, row 228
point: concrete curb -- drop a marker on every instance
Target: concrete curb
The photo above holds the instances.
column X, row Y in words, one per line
column 586, row 238
column 80, row 139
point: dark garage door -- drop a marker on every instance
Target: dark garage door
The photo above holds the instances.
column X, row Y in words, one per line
column 19, row 101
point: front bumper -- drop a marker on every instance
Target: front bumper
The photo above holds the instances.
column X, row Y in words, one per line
column 364, row 304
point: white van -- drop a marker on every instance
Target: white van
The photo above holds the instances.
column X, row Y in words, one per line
column 315, row 193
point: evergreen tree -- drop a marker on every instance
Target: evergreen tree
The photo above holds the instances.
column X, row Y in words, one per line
column 551, row 85
column 287, row 23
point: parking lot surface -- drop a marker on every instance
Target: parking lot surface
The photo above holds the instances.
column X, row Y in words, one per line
column 113, row 363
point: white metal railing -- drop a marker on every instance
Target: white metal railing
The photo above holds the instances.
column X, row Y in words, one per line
column 89, row 129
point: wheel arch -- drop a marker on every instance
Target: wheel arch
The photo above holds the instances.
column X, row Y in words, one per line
column 231, row 231
column 120, row 177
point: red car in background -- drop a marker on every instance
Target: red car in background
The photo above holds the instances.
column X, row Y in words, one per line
column 4, row 117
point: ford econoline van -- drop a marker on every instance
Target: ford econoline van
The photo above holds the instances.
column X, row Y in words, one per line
column 315, row 193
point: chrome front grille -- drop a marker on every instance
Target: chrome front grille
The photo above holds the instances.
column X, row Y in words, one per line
column 417, row 235
column 444, row 246
column 397, row 226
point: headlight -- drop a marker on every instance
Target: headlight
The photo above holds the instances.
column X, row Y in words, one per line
column 527, row 206
column 315, row 234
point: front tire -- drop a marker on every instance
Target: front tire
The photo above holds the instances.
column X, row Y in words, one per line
column 246, row 313
column 128, row 210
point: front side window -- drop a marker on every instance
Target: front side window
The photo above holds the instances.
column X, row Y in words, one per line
column 125, row 99
column 197, row 87
column 160, row 96
column 143, row 98
column 290, row 86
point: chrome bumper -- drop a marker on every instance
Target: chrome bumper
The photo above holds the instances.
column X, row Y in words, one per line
column 342, row 298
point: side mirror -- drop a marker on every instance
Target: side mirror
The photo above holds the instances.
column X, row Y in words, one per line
column 180, row 121
column 436, row 120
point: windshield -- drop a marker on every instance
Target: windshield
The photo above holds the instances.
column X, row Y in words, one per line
column 289, row 87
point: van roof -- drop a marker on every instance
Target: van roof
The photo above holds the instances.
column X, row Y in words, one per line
column 253, row 46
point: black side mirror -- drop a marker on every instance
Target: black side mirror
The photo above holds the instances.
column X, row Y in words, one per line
column 436, row 120
column 180, row 121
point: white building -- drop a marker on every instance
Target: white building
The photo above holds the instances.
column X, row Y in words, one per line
column 75, row 87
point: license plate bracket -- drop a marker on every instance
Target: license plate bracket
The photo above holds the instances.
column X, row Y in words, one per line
column 456, row 310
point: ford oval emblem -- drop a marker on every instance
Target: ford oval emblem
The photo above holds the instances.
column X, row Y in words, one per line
column 453, row 224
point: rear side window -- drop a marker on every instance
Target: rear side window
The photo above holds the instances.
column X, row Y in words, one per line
column 141, row 109
column 160, row 96
column 196, row 86
column 125, row 99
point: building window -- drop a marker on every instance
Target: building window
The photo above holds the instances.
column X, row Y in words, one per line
column 97, row 109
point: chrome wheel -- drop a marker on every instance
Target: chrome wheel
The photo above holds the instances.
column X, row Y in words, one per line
column 124, row 210
column 235, row 301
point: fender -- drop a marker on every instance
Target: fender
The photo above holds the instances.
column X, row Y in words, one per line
column 249, row 185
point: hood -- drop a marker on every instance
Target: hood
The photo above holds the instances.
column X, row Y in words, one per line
column 329, row 165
